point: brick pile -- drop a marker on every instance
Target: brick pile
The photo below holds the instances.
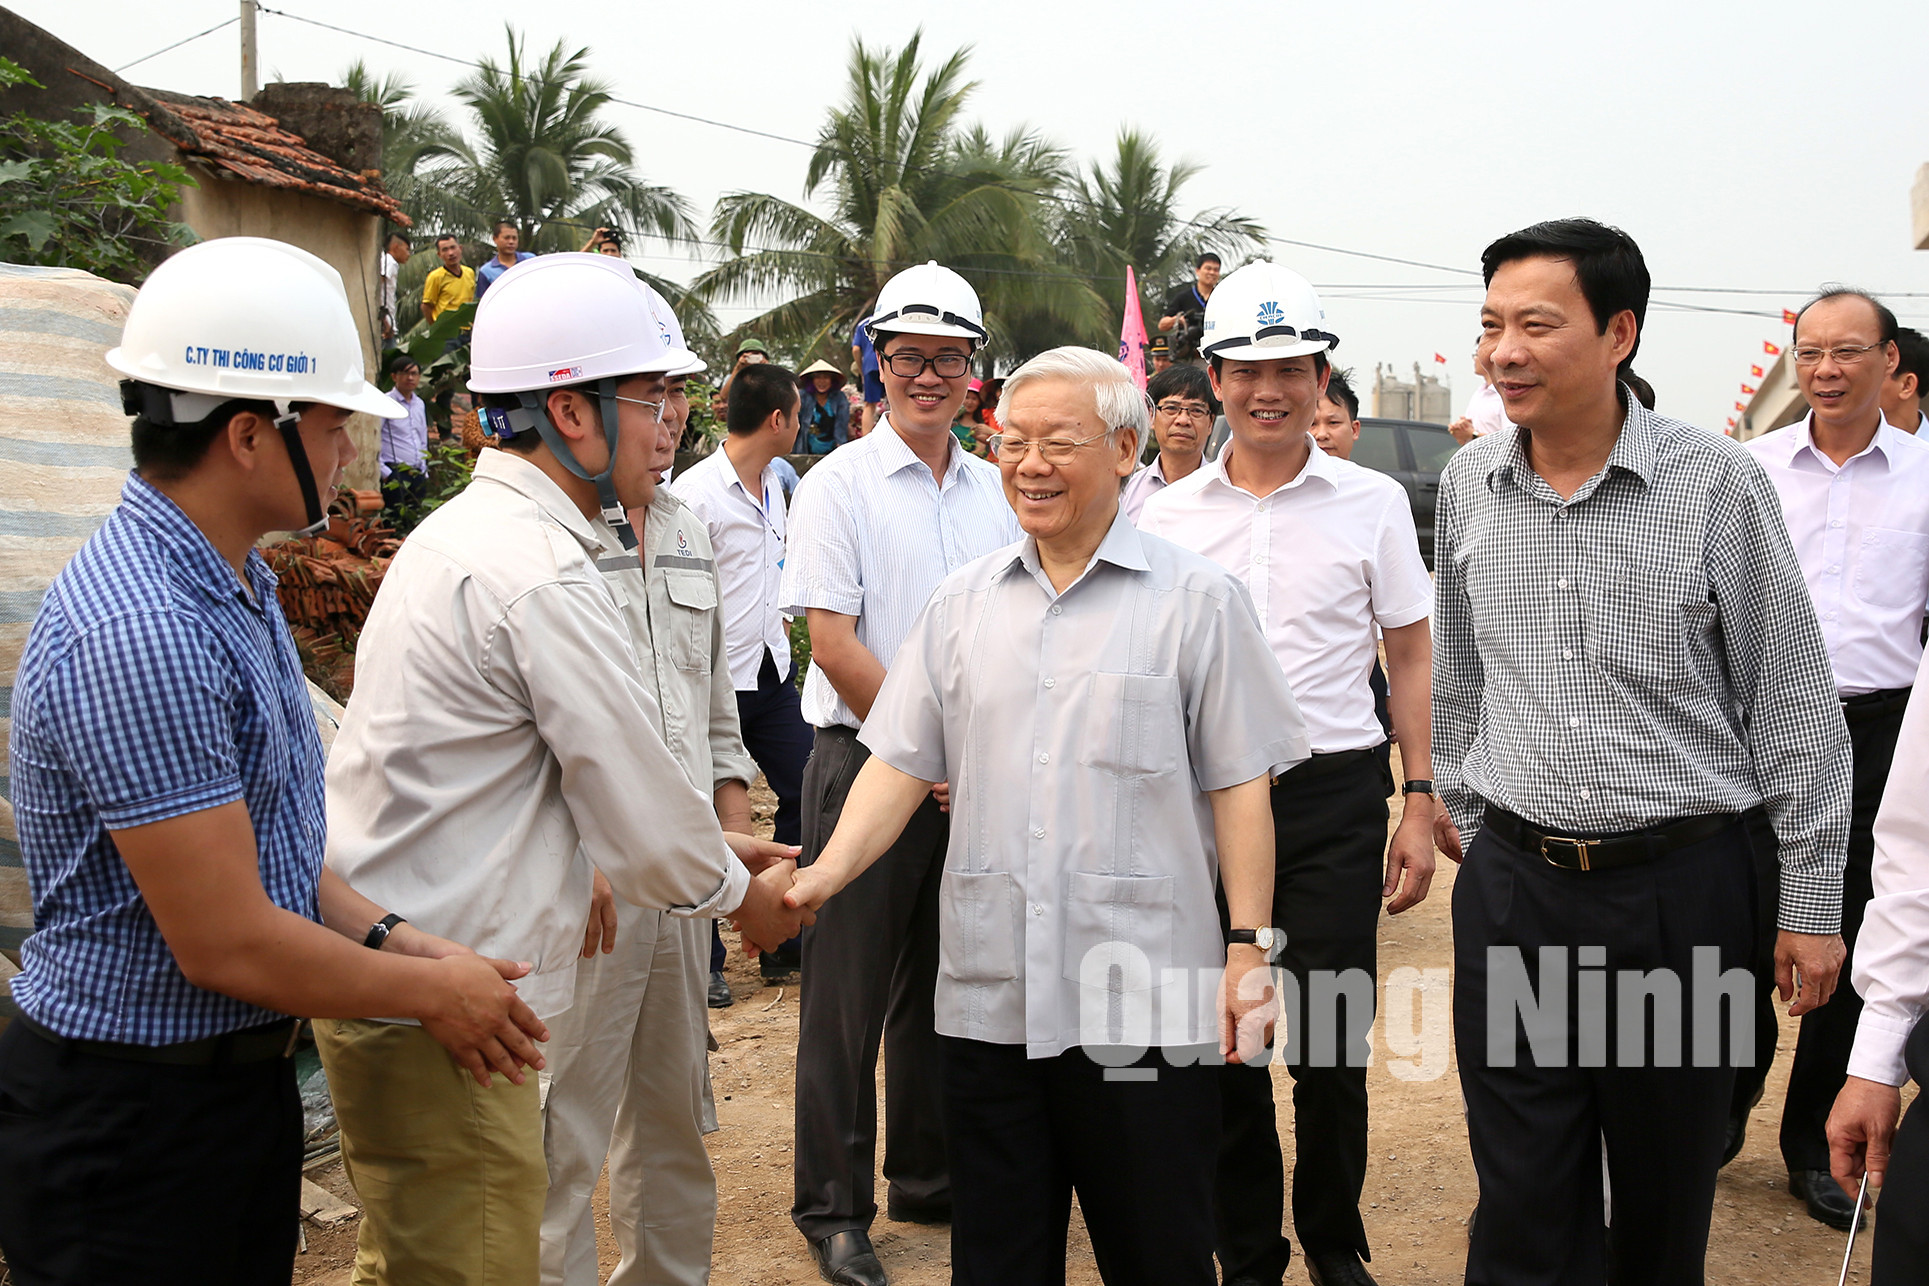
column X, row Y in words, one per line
column 328, row 583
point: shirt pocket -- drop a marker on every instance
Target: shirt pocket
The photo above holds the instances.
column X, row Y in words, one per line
column 1640, row 615
column 976, row 940
column 1118, row 930
column 1891, row 566
column 694, row 596
column 1133, row 724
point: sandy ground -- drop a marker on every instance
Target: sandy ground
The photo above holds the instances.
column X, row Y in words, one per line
column 1418, row 1190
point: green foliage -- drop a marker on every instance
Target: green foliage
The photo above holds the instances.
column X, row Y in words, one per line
column 449, row 469
column 800, row 648
column 68, row 200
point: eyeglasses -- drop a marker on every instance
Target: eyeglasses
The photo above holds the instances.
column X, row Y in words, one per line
column 1010, row 450
column 656, row 407
column 1841, row 354
column 1184, row 411
column 908, row 366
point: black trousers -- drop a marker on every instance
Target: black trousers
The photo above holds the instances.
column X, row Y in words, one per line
column 115, row 1172
column 1537, row 1127
column 1029, row 1132
column 870, row 972
column 1902, row 1223
column 1822, row 1049
column 1329, row 828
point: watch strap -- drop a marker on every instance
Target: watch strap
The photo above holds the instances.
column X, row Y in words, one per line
column 1418, row 786
column 379, row 931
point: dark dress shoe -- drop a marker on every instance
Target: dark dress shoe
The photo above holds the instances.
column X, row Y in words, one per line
column 936, row 1215
column 846, row 1258
column 1337, row 1268
column 718, row 993
column 1738, row 1131
column 1826, row 1200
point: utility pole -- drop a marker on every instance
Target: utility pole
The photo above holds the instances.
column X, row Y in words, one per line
column 250, row 57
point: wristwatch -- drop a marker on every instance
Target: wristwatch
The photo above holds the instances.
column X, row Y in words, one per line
column 1418, row 786
column 379, row 931
column 1269, row 941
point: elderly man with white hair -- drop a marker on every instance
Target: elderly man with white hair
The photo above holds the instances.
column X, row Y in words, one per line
column 1104, row 707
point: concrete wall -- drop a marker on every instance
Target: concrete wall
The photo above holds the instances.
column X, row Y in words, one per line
column 343, row 237
column 1778, row 401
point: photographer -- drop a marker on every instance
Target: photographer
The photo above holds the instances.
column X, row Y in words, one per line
column 1185, row 317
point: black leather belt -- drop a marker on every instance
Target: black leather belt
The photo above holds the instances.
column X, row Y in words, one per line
column 1874, row 705
column 252, row 1045
column 1605, row 852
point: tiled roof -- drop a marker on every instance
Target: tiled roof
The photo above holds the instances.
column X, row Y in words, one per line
column 252, row 146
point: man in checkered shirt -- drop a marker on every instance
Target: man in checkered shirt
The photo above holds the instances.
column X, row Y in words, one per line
column 1626, row 662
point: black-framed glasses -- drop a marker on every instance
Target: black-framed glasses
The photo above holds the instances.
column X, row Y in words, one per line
column 1057, row 451
column 1184, row 411
column 908, row 366
column 1841, row 354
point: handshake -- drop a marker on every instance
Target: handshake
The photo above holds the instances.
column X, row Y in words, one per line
column 763, row 918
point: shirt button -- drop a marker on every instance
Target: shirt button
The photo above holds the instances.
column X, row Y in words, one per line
column 1573, row 721
column 1037, row 910
column 1567, row 654
column 1835, row 522
column 1051, row 683
column 1039, row 833
column 1833, row 570
column 1829, row 617
column 1584, row 793
column 1561, row 583
column 1044, row 759
column 1057, row 610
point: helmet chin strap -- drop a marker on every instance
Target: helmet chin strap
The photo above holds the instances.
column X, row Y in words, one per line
column 612, row 508
column 288, row 421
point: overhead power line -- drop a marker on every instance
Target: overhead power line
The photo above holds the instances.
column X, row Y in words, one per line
column 225, row 22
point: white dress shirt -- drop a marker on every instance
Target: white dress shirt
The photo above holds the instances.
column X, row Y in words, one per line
column 1861, row 534
column 1327, row 557
column 1487, row 411
column 1891, row 965
column 501, row 740
column 871, row 535
column 747, row 533
column 1080, row 732
column 1141, row 487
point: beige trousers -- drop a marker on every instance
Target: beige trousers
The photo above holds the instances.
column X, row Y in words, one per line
column 450, row 1175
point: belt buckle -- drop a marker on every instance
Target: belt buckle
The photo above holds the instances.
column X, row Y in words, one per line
column 1582, row 850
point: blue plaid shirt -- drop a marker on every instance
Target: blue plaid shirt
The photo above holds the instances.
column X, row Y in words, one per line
column 152, row 686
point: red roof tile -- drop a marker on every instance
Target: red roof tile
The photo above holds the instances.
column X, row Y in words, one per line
column 251, row 145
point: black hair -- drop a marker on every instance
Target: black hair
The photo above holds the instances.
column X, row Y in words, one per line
column 1182, row 381
column 496, row 228
column 1341, row 392
column 1913, row 350
column 1608, row 265
column 401, row 362
column 440, row 237
column 1643, row 391
column 1885, row 321
column 1204, row 259
column 167, row 452
column 756, row 392
column 396, row 234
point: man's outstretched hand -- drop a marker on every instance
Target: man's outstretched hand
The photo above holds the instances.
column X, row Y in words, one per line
column 764, row 918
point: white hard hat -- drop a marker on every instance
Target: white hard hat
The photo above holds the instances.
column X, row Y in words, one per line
column 1264, row 313
column 928, row 299
column 565, row 319
column 247, row 317
column 666, row 317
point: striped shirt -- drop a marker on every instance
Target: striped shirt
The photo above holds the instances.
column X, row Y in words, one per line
column 153, row 686
column 871, row 535
column 1645, row 650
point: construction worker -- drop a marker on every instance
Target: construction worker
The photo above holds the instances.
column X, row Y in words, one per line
column 502, row 749
column 873, row 528
column 628, row 1056
column 167, row 779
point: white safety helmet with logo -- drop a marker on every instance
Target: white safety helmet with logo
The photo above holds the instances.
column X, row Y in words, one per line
column 928, row 299
column 571, row 320
column 245, row 318
column 1265, row 313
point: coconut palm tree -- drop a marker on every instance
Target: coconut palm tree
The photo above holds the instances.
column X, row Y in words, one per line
column 905, row 180
column 412, row 132
column 1126, row 212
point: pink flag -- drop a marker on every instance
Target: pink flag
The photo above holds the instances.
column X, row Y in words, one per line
column 1132, row 341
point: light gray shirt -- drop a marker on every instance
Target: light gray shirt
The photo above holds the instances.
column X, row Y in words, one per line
column 871, row 535
column 1080, row 733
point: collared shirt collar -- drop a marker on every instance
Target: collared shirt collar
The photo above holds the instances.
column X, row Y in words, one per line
column 1636, row 450
column 519, row 475
column 1318, row 465
column 1123, row 547
column 897, row 453
column 1882, row 444
column 213, row 573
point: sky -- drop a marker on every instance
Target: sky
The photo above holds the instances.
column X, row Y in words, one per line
column 1763, row 147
